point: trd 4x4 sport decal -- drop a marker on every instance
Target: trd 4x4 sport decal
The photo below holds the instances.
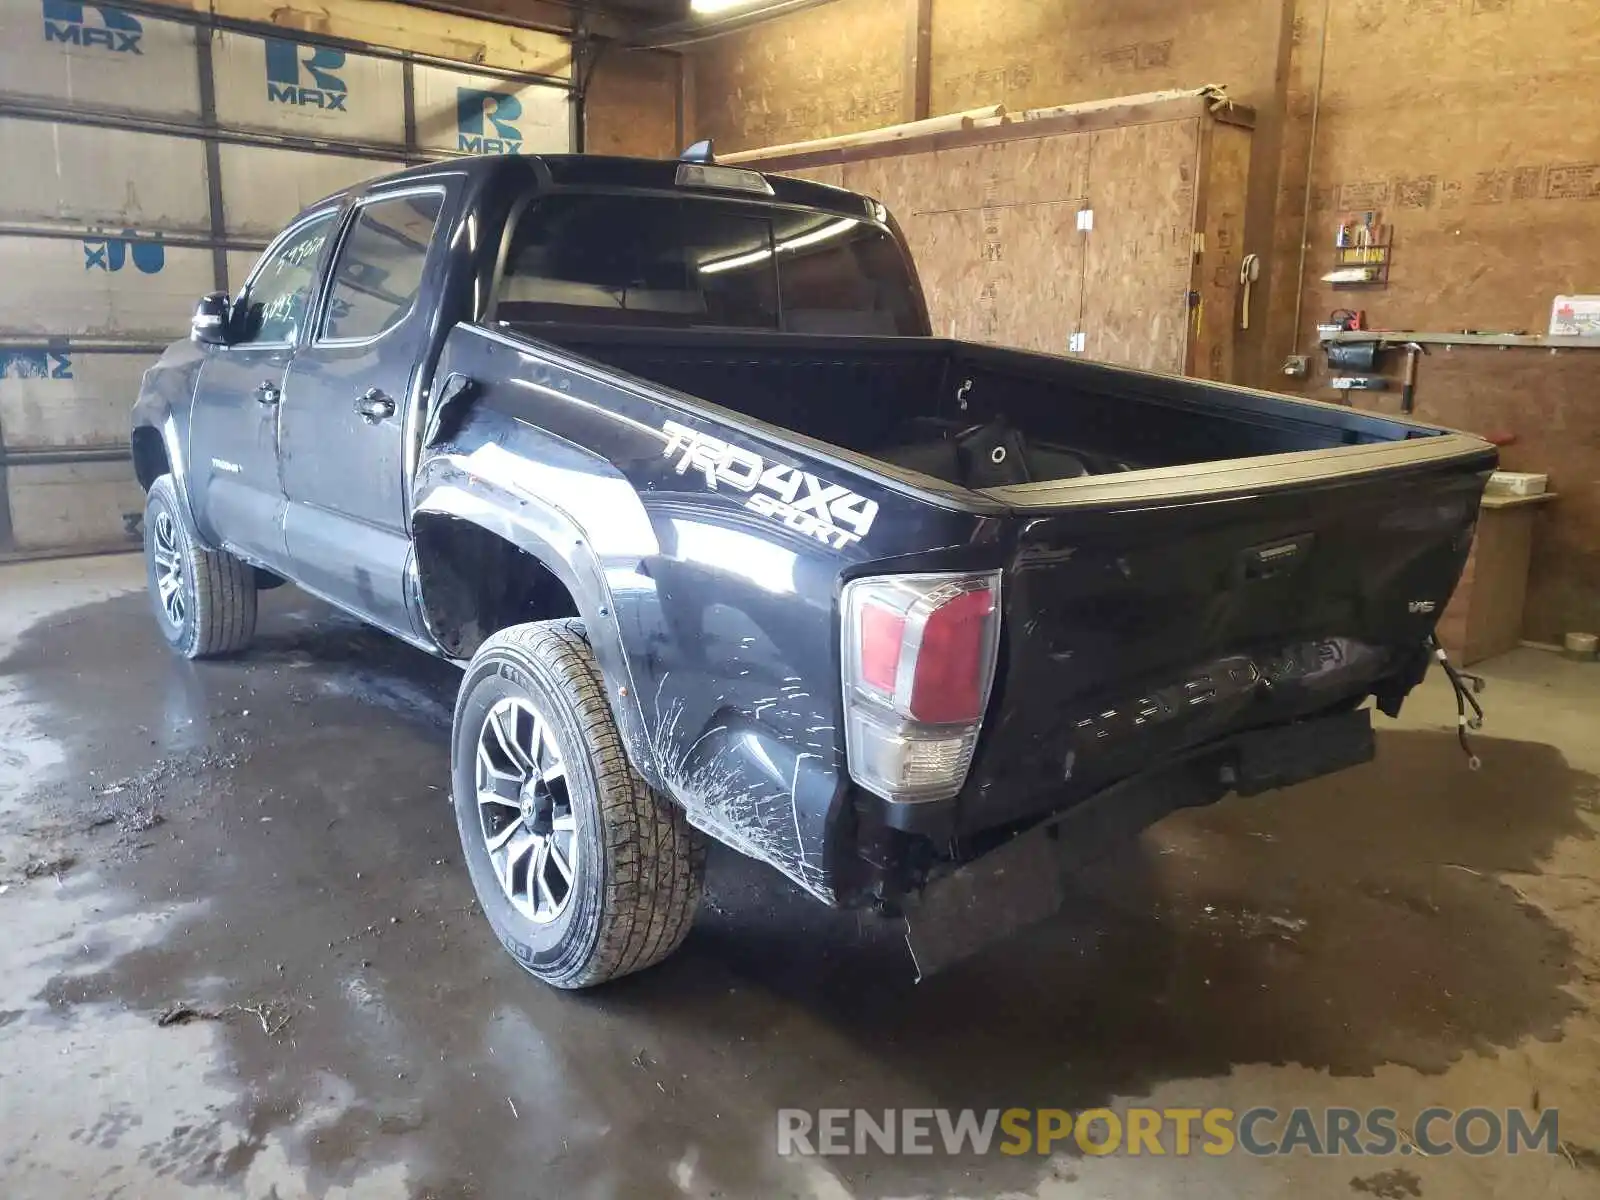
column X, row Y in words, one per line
column 829, row 512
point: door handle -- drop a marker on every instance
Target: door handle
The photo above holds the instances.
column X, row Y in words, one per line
column 268, row 393
column 374, row 406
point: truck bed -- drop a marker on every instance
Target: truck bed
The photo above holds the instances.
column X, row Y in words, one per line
column 977, row 416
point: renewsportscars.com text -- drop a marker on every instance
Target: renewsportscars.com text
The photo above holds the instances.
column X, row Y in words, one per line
column 1261, row 1132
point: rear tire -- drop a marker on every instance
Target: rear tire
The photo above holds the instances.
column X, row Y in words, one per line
column 204, row 600
column 585, row 872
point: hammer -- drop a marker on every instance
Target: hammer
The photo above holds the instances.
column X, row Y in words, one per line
column 1408, row 380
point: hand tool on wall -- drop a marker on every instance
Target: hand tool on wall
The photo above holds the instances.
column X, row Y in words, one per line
column 1249, row 272
column 1408, row 380
column 1355, row 356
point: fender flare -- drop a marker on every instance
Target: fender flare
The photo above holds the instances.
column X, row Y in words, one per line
column 177, row 466
column 557, row 542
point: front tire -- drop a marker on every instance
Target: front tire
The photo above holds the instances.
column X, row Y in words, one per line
column 585, row 873
column 204, row 600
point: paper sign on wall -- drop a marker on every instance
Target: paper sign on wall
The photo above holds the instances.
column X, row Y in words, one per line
column 1575, row 316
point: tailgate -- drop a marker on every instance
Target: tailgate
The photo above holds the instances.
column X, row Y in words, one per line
column 1150, row 613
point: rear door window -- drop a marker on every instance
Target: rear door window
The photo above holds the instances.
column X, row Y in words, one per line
column 378, row 272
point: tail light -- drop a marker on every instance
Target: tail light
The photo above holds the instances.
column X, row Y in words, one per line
column 919, row 658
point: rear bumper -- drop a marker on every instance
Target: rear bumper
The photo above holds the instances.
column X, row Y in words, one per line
column 1039, row 763
column 1023, row 881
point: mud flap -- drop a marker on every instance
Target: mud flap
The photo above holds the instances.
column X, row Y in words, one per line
column 1017, row 885
column 1024, row 881
column 1278, row 758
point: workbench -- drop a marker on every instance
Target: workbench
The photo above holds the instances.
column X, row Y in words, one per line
column 1484, row 617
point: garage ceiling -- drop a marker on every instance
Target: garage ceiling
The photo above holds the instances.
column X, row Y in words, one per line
column 648, row 23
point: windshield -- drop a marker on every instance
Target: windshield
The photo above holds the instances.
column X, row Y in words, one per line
column 666, row 261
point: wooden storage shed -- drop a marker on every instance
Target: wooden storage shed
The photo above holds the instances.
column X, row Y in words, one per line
column 1112, row 229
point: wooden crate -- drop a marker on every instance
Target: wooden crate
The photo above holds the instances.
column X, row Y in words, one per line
column 1111, row 229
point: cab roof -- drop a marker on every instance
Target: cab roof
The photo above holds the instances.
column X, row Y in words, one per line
column 557, row 171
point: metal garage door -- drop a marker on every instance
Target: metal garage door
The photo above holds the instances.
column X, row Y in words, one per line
column 146, row 156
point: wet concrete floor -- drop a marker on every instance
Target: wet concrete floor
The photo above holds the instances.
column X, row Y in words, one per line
column 263, row 850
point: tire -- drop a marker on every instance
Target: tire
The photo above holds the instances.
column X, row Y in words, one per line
column 204, row 600
column 621, row 868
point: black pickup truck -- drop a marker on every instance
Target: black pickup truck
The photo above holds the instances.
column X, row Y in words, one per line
column 665, row 455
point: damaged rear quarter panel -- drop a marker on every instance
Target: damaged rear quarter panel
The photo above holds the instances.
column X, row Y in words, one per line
column 716, row 611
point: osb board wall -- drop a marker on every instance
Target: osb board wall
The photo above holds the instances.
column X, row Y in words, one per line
column 994, row 229
column 835, row 69
column 1470, row 125
column 1221, row 206
column 1549, row 403
column 841, row 68
column 632, row 105
column 1026, row 53
column 1141, row 250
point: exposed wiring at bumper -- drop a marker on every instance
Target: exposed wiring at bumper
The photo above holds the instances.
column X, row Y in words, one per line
column 1466, row 685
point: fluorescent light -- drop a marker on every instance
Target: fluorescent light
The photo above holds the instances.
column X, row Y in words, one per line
column 707, row 7
column 733, row 264
column 827, row 232
column 818, row 235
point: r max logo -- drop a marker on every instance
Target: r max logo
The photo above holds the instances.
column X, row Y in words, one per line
column 484, row 121
column 34, row 364
column 304, row 75
column 112, row 254
column 66, row 22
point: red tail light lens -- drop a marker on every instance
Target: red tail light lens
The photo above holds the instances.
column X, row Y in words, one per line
column 919, row 660
column 883, row 633
column 952, row 676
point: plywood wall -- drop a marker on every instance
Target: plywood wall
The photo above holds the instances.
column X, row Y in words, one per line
column 1548, row 404
column 1143, row 182
column 1222, row 210
column 633, row 105
column 1096, row 223
column 835, row 69
column 841, row 68
column 997, row 226
column 994, row 231
column 1027, row 53
column 1470, row 125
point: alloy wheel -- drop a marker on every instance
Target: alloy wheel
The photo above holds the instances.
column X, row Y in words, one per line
column 168, row 554
column 525, row 810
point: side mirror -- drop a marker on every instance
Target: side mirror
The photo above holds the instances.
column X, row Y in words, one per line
column 212, row 321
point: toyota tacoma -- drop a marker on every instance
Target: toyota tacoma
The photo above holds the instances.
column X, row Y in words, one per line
column 665, row 456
